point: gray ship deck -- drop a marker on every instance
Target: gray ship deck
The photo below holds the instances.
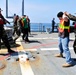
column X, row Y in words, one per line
column 43, row 47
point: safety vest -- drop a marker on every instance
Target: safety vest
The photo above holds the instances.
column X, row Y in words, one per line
column 62, row 27
column 22, row 21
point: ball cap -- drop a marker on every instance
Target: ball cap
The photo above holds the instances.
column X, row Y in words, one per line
column 1, row 9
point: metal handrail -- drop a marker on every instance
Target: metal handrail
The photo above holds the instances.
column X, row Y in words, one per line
column 37, row 27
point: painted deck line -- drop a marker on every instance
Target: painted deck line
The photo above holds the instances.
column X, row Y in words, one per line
column 40, row 38
column 47, row 38
column 4, row 51
column 28, row 49
column 52, row 49
column 43, row 45
column 25, row 66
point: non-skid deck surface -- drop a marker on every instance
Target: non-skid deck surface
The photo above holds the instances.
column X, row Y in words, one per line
column 45, row 63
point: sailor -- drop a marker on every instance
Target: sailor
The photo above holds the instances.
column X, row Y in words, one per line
column 3, row 34
column 64, row 30
column 73, row 18
column 15, row 24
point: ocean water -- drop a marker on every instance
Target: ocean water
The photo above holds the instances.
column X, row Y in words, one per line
column 41, row 27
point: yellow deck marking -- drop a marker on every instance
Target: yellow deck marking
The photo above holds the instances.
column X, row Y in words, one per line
column 25, row 66
column 3, row 51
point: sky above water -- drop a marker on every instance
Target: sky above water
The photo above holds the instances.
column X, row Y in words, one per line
column 39, row 11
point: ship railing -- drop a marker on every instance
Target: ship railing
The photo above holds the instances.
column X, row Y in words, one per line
column 38, row 27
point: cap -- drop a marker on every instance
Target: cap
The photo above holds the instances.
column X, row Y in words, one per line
column 1, row 9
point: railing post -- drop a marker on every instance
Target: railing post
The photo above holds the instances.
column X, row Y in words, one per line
column 40, row 27
column 43, row 28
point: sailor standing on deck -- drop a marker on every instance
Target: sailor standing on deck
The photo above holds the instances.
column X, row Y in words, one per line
column 64, row 39
column 28, row 22
column 53, row 24
column 3, row 34
column 25, row 31
column 15, row 24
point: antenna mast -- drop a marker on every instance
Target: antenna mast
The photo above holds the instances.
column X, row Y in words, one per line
column 22, row 7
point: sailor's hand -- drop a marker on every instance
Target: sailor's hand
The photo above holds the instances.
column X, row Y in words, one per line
column 66, row 13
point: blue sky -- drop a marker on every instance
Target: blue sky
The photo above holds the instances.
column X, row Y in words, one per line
column 40, row 11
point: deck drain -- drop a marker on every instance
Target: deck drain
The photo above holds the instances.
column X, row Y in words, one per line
column 25, row 55
column 38, row 53
column 11, row 59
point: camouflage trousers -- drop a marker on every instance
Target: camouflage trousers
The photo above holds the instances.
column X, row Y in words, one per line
column 4, row 38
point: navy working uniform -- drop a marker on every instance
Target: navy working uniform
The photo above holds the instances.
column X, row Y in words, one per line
column 3, row 34
column 73, row 18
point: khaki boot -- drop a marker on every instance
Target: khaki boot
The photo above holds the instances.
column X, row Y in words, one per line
column 59, row 55
column 67, row 65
